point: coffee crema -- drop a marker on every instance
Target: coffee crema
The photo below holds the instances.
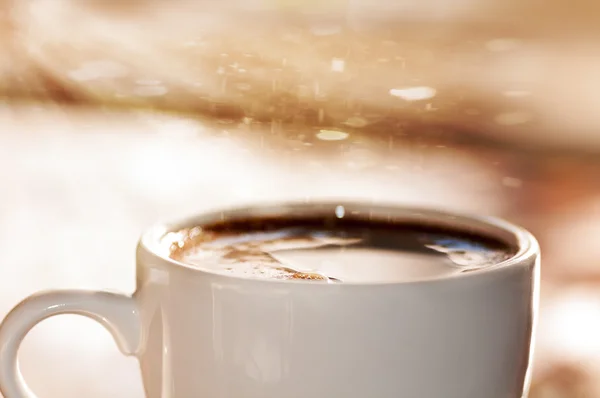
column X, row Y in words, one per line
column 333, row 249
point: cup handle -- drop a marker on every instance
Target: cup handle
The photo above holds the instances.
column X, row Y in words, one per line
column 116, row 312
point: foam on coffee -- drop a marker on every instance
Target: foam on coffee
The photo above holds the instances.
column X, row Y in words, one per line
column 334, row 249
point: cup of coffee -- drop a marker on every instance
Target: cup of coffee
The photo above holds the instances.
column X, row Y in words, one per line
column 316, row 300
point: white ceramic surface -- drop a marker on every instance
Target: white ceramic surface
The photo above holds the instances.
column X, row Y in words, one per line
column 202, row 334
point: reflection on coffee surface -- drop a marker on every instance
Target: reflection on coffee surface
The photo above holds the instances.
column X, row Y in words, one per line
column 333, row 249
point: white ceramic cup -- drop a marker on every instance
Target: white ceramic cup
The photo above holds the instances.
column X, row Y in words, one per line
column 202, row 334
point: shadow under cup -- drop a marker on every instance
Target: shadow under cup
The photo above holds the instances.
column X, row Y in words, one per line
column 216, row 335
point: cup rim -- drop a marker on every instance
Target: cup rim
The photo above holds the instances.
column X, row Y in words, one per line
column 151, row 242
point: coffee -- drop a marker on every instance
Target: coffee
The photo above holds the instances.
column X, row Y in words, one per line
column 334, row 249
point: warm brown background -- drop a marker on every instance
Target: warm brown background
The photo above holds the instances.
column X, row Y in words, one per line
column 115, row 116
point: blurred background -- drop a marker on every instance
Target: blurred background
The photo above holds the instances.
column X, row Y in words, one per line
column 115, row 115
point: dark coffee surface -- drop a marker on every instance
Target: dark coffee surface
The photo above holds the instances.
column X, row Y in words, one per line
column 340, row 249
